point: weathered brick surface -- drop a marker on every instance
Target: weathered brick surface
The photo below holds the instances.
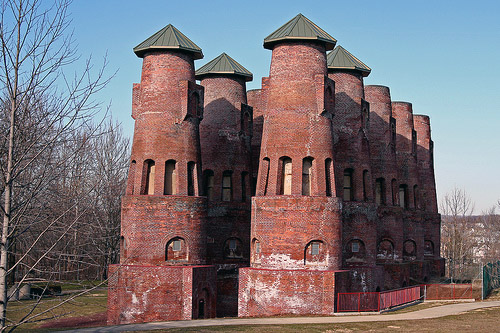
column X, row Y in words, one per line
column 140, row 293
column 285, row 226
column 266, row 292
column 150, row 222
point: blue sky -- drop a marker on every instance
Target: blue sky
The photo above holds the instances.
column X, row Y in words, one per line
column 442, row 56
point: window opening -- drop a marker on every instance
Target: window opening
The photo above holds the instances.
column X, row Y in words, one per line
column 355, row 247
column 315, row 248
column 365, row 185
column 244, row 181
column 265, row 169
column 286, row 176
column 403, row 189
column 150, row 177
column 380, row 191
column 348, row 191
column 170, row 186
column 190, row 167
column 306, row 176
column 227, row 186
column 328, row 166
column 208, row 183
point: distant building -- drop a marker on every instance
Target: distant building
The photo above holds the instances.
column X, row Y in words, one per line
column 270, row 201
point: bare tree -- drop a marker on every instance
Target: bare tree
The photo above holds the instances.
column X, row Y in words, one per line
column 46, row 122
column 458, row 232
column 490, row 235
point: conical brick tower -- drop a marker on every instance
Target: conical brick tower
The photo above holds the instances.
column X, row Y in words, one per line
column 226, row 132
column 164, row 218
column 296, row 218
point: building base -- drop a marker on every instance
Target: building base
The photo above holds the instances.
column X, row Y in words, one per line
column 267, row 292
column 139, row 293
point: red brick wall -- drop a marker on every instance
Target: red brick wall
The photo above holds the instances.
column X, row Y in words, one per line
column 149, row 222
column 285, row 225
column 166, row 121
column 425, row 163
column 351, row 146
column 139, row 293
column 382, row 151
column 296, row 123
column 406, row 157
column 265, row 292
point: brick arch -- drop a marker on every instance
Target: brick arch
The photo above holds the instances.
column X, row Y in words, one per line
column 177, row 249
column 385, row 249
column 355, row 251
column 315, row 252
column 409, row 249
column 233, row 248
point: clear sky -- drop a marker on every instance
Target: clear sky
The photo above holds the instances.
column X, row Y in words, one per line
column 442, row 56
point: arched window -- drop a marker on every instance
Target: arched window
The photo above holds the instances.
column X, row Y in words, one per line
column 314, row 252
column 123, row 247
column 355, row 251
column 256, row 249
column 409, row 250
column 416, row 202
column 385, row 250
column 149, row 177
column 286, row 176
column 232, row 248
column 428, row 248
column 380, row 191
column 403, row 196
column 306, row 175
column 393, row 131
column 394, row 192
column 176, row 250
column 131, row 179
column 227, row 185
column 365, row 185
column 348, row 189
column 329, row 99
column 365, row 118
column 413, row 141
column 170, row 186
column 265, row 175
column 244, row 186
column 208, row 184
column 190, row 177
column 328, row 177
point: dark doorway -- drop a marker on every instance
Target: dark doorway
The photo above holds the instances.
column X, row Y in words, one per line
column 201, row 309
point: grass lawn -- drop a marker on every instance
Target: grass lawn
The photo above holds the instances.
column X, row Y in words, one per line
column 480, row 320
column 88, row 305
column 89, row 310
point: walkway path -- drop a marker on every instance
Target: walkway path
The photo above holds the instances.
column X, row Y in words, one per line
column 435, row 312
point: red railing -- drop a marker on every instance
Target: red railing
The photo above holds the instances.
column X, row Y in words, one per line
column 358, row 302
column 376, row 301
column 448, row 291
column 391, row 298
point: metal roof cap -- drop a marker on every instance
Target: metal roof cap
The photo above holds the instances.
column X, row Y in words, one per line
column 168, row 38
column 300, row 28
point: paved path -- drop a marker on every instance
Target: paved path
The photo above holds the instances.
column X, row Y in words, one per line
column 435, row 312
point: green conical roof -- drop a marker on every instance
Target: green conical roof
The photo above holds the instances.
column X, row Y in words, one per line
column 224, row 64
column 340, row 59
column 168, row 38
column 300, row 28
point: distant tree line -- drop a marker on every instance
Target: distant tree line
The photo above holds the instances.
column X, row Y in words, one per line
column 467, row 241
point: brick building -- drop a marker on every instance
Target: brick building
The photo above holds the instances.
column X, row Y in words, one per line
column 269, row 201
